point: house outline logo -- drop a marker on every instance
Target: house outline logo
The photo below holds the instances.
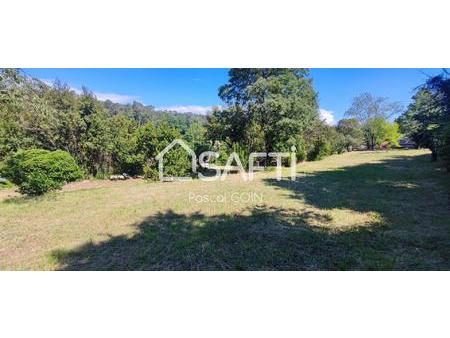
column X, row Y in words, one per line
column 160, row 159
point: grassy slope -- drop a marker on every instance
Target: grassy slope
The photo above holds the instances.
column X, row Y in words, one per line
column 385, row 210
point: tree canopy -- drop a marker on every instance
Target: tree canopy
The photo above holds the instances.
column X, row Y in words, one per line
column 373, row 113
column 268, row 109
column 427, row 119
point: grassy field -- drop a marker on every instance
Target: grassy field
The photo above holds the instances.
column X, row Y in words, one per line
column 361, row 210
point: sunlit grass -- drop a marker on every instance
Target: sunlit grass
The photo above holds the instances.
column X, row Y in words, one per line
column 361, row 210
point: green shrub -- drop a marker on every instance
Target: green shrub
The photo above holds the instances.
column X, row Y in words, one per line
column 320, row 150
column 301, row 151
column 243, row 154
column 37, row 171
column 4, row 183
column 151, row 172
column 177, row 163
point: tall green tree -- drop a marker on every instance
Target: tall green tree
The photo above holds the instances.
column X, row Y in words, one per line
column 427, row 119
column 236, row 90
column 151, row 141
column 276, row 105
column 95, row 141
column 370, row 111
column 352, row 132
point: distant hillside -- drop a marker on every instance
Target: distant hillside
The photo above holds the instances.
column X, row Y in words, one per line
column 143, row 114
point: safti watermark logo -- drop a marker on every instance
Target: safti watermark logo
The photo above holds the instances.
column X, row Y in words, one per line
column 221, row 173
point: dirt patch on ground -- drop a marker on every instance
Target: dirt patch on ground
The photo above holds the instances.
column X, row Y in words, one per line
column 8, row 193
column 93, row 184
column 80, row 185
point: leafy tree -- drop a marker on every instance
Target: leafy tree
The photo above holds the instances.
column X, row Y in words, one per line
column 102, row 136
column 235, row 92
column 26, row 120
column 382, row 131
column 66, row 106
column 282, row 106
column 96, row 138
column 370, row 111
column 229, row 125
column 427, row 118
column 151, row 141
column 421, row 120
column 352, row 133
column 445, row 147
column 266, row 107
column 439, row 86
column 124, row 155
column 326, row 140
column 392, row 133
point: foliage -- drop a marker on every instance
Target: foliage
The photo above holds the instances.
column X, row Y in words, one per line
column 235, row 92
column 151, row 141
column 325, row 141
column 196, row 137
column 421, row 119
column 37, row 171
column 268, row 110
column 352, row 132
column 282, row 106
column 103, row 137
column 124, row 155
column 142, row 115
column 372, row 113
column 445, row 147
column 378, row 131
column 392, row 134
column 427, row 119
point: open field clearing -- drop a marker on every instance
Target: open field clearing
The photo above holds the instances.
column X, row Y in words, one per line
column 360, row 210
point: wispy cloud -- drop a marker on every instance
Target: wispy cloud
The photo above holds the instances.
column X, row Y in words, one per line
column 327, row 116
column 114, row 97
column 202, row 110
column 117, row 98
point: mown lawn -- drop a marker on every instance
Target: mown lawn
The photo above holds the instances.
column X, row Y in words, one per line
column 365, row 210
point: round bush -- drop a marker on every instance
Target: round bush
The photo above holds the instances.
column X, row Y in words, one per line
column 37, row 171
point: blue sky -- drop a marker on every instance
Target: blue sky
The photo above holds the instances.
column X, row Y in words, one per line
column 196, row 89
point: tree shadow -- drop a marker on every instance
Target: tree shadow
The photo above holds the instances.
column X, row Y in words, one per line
column 410, row 197
column 258, row 239
column 268, row 238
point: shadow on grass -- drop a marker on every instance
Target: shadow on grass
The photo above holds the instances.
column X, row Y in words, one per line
column 410, row 196
column 24, row 199
column 411, row 235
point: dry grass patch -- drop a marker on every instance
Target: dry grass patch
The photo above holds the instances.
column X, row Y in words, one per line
column 362, row 210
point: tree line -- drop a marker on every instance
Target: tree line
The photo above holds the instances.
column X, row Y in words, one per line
column 103, row 137
column 427, row 119
column 266, row 110
column 277, row 110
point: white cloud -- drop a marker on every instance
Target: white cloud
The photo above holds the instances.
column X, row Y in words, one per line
column 48, row 82
column 117, row 98
column 202, row 110
column 114, row 97
column 327, row 116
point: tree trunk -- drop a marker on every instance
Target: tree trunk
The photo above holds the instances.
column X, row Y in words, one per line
column 267, row 150
column 433, row 155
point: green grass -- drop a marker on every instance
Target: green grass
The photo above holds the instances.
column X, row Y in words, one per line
column 361, row 210
column 6, row 185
